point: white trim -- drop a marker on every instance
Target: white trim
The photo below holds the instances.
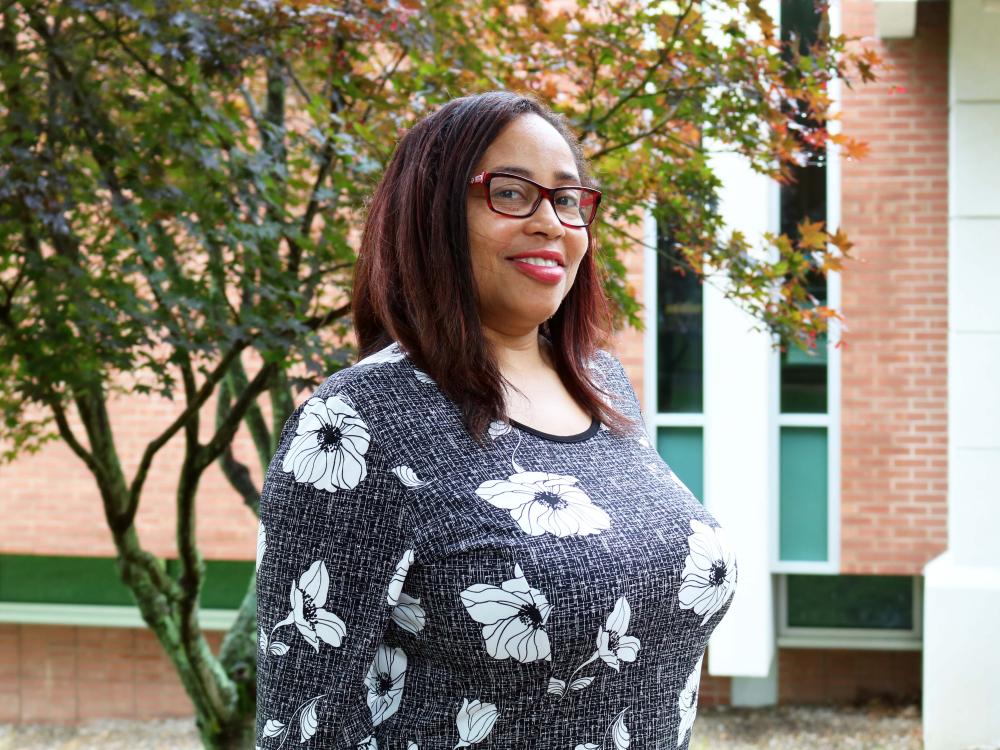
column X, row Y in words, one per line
column 837, row 640
column 877, row 639
column 804, row 420
column 896, row 19
column 90, row 615
column 834, row 204
column 679, row 419
column 651, row 320
column 806, row 567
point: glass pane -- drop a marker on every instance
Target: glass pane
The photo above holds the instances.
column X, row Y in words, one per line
column 679, row 340
column 884, row 602
column 61, row 580
column 803, row 495
column 681, row 448
column 800, row 17
column 803, row 375
column 95, row 580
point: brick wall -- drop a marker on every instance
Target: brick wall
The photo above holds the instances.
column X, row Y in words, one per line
column 53, row 673
column 628, row 344
column 894, row 399
column 50, row 504
column 848, row 676
column 713, row 690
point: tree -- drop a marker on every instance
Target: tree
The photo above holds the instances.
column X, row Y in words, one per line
column 179, row 184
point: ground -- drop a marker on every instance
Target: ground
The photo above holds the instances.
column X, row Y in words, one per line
column 781, row 728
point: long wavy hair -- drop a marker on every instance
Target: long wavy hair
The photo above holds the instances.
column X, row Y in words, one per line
column 413, row 280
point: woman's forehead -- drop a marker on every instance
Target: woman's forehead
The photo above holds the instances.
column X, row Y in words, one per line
column 531, row 147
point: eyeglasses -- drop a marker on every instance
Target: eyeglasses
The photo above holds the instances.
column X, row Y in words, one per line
column 510, row 195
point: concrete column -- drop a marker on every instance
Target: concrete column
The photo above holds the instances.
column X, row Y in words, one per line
column 738, row 443
column 962, row 586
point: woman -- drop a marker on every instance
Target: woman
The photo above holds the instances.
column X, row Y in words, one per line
column 463, row 543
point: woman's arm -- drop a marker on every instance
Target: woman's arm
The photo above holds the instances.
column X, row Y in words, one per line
column 333, row 553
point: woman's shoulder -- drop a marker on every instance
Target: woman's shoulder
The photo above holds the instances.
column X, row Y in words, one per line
column 383, row 389
column 606, row 366
column 379, row 375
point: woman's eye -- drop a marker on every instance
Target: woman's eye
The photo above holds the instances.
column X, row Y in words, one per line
column 508, row 194
column 568, row 200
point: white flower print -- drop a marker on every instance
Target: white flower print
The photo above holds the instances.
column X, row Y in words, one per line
column 308, row 597
column 709, row 576
column 423, row 377
column 499, row 429
column 392, row 353
column 408, row 477
column 329, row 446
column 261, row 544
column 613, row 647
column 475, row 721
column 308, row 722
column 385, row 682
column 513, row 618
column 619, row 735
column 688, row 701
column 408, row 614
column 411, row 745
column 541, row 502
column 612, row 643
column 273, row 728
column 396, row 584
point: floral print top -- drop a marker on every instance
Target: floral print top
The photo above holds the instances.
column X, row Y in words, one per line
column 416, row 591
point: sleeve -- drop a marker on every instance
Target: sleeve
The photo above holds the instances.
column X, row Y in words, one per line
column 333, row 551
column 617, row 382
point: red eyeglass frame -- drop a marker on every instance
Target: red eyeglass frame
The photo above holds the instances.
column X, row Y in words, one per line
column 544, row 193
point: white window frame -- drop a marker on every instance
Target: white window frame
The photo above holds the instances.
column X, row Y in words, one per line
column 99, row 615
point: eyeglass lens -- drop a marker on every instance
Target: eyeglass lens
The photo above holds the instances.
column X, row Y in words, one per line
column 516, row 197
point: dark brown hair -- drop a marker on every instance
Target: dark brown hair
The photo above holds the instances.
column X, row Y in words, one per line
column 413, row 281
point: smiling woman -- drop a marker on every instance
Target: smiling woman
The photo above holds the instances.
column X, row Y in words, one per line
column 434, row 573
column 441, row 269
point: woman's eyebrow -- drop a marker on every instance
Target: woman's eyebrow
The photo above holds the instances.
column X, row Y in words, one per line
column 562, row 176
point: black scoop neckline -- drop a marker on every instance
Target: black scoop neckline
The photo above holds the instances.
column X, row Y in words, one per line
column 595, row 425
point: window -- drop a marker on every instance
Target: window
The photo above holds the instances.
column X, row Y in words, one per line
column 808, row 432
column 88, row 591
column 850, row 611
column 679, row 374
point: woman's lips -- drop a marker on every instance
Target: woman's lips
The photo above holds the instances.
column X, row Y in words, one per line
column 545, row 274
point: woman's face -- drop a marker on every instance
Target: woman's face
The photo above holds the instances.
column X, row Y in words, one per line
column 513, row 300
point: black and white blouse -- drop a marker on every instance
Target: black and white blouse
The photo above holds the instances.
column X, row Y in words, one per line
column 416, row 591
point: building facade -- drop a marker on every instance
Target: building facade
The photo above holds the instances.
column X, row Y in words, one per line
column 854, row 482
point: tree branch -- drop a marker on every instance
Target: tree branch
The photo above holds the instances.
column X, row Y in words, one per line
column 224, row 434
column 235, row 471
column 135, row 490
column 316, row 322
column 66, row 432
